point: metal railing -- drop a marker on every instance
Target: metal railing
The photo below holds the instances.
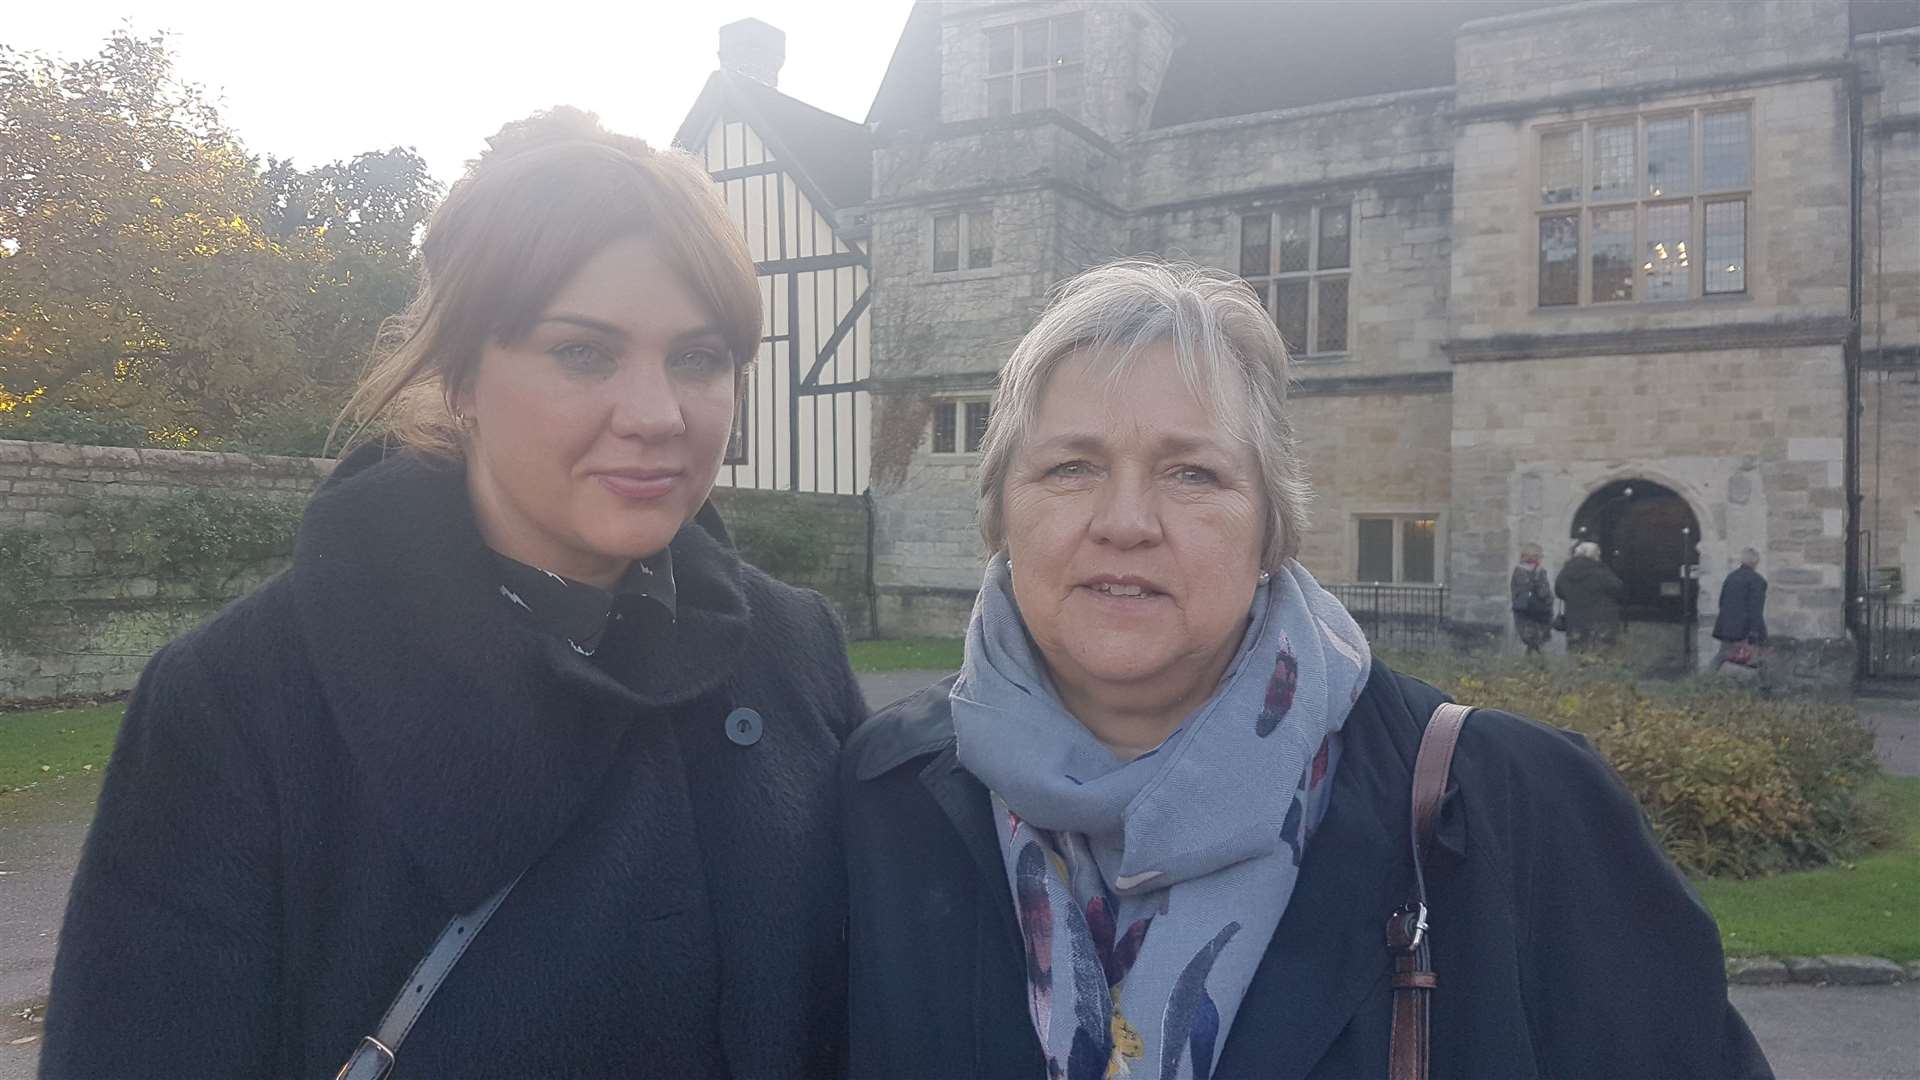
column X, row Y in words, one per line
column 1402, row 618
column 1893, row 638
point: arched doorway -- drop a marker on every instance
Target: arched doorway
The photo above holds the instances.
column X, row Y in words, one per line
column 1649, row 536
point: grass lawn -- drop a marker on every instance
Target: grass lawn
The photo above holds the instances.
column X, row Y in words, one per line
column 909, row 654
column 36, row 746
column 1871, row 908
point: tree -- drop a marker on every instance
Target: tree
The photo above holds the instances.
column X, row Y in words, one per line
column 151, row 271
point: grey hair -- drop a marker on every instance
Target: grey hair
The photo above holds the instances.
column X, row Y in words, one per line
column 1749, row 557
column 1531, row 550
column 1228, row 351
column 1587, row 549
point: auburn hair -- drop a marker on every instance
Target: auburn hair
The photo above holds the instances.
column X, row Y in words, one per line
column 548, row 194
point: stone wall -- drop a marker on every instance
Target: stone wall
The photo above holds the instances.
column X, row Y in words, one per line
column 100, row 619
column 1370, row 453
column 103, row 621
column 818, row 542
column 1750, row 438
column 1597, row 48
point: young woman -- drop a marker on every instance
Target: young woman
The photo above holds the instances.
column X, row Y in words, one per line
column 513, row 653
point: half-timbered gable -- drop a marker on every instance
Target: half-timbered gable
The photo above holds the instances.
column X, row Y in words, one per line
column 784, row 168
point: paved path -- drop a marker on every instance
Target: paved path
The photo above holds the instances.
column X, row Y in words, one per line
column 1836, row 1032
column 1828, row 1033
column 40, row 835
column 1895, row 723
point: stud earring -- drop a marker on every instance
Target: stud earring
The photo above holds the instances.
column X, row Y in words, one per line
column 1265, row 577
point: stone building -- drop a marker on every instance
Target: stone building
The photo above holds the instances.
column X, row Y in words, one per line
column 1646, row 273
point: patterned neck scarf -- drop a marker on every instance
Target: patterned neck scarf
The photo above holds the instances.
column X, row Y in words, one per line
column 1147, row 890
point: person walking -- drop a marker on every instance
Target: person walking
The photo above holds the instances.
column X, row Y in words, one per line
column 1741, row 626
column 1532, row 600
column 1592, row 594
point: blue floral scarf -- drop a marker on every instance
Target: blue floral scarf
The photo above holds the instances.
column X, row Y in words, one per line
column 1147, row 890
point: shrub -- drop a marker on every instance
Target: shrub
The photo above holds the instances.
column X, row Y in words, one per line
column 26, row 568
column 1733, row 783
column 199, row 534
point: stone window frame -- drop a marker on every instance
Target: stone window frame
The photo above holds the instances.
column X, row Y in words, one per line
column 1018, row 79
column 959, row 410
column 1314, row 275
column 1400, row 518
column 966, row 252
column 1585, row 207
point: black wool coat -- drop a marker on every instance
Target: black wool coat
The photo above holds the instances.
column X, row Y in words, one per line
column 310, row 786
column 1743, row 607
column 1565, row 943
column 1592, row 593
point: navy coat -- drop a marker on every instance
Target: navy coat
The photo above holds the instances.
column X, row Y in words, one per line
column 1566, row 944
column 1743, row 607
column 307, row 788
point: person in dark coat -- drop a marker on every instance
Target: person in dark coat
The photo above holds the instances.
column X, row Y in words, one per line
column 1741, row 626
column 1532, row 600
column 1592, row 594
column 514, row 650
column 1157, row 823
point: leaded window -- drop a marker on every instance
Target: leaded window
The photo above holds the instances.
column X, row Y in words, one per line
column 1657, row 204
column 1036, row 64
column 1299, row 261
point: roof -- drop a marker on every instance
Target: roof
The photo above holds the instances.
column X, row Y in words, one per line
column 1234, row 58
column 830, row 154
column 1280, row 56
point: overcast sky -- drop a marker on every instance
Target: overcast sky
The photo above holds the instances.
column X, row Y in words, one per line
column 320, row 81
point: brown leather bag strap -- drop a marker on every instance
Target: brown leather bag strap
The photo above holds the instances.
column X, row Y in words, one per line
column 1413, row 977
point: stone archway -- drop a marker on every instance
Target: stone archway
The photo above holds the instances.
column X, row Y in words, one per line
column 1648, row 534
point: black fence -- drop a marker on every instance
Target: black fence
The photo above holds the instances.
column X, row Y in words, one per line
column 1893, row 638
column 1401, row 618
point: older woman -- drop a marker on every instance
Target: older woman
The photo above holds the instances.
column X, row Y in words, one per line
column 1592, row 595
column 1155, row 825
column 518, row 760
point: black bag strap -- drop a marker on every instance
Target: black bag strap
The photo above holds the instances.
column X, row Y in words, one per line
column 1413, row 977
column 373, row 1058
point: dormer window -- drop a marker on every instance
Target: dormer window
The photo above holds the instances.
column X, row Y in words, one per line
column 1036, row 65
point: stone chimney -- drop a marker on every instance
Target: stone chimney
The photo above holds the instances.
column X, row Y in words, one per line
column 754, row 49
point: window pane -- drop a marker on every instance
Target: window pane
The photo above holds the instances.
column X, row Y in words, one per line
column 943, row 427
column 1667, row 265
column 1000, row 97
column 1614, row 176
column 946, row 242
column 1033, row 93
column 1670, row 156
column 1066, row 88
column 1033, row 45
column 1256, row 244
column 1290, row 314
column 1723, row 150
column 1332, row 327
column 1069, row 35
column 1613, row 255
column 980, row 239
column 1000, row 51
column 1417, row 550
column 1333, row 237
column 1376, row 549
column 1559, row 260
column 1726, row 252
column 1293, row 239
column 1560, row 166
column 977, row 415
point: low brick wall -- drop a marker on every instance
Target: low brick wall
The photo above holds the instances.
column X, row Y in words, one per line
column 98, row 620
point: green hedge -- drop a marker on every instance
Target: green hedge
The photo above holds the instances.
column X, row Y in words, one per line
column 1734, row 784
